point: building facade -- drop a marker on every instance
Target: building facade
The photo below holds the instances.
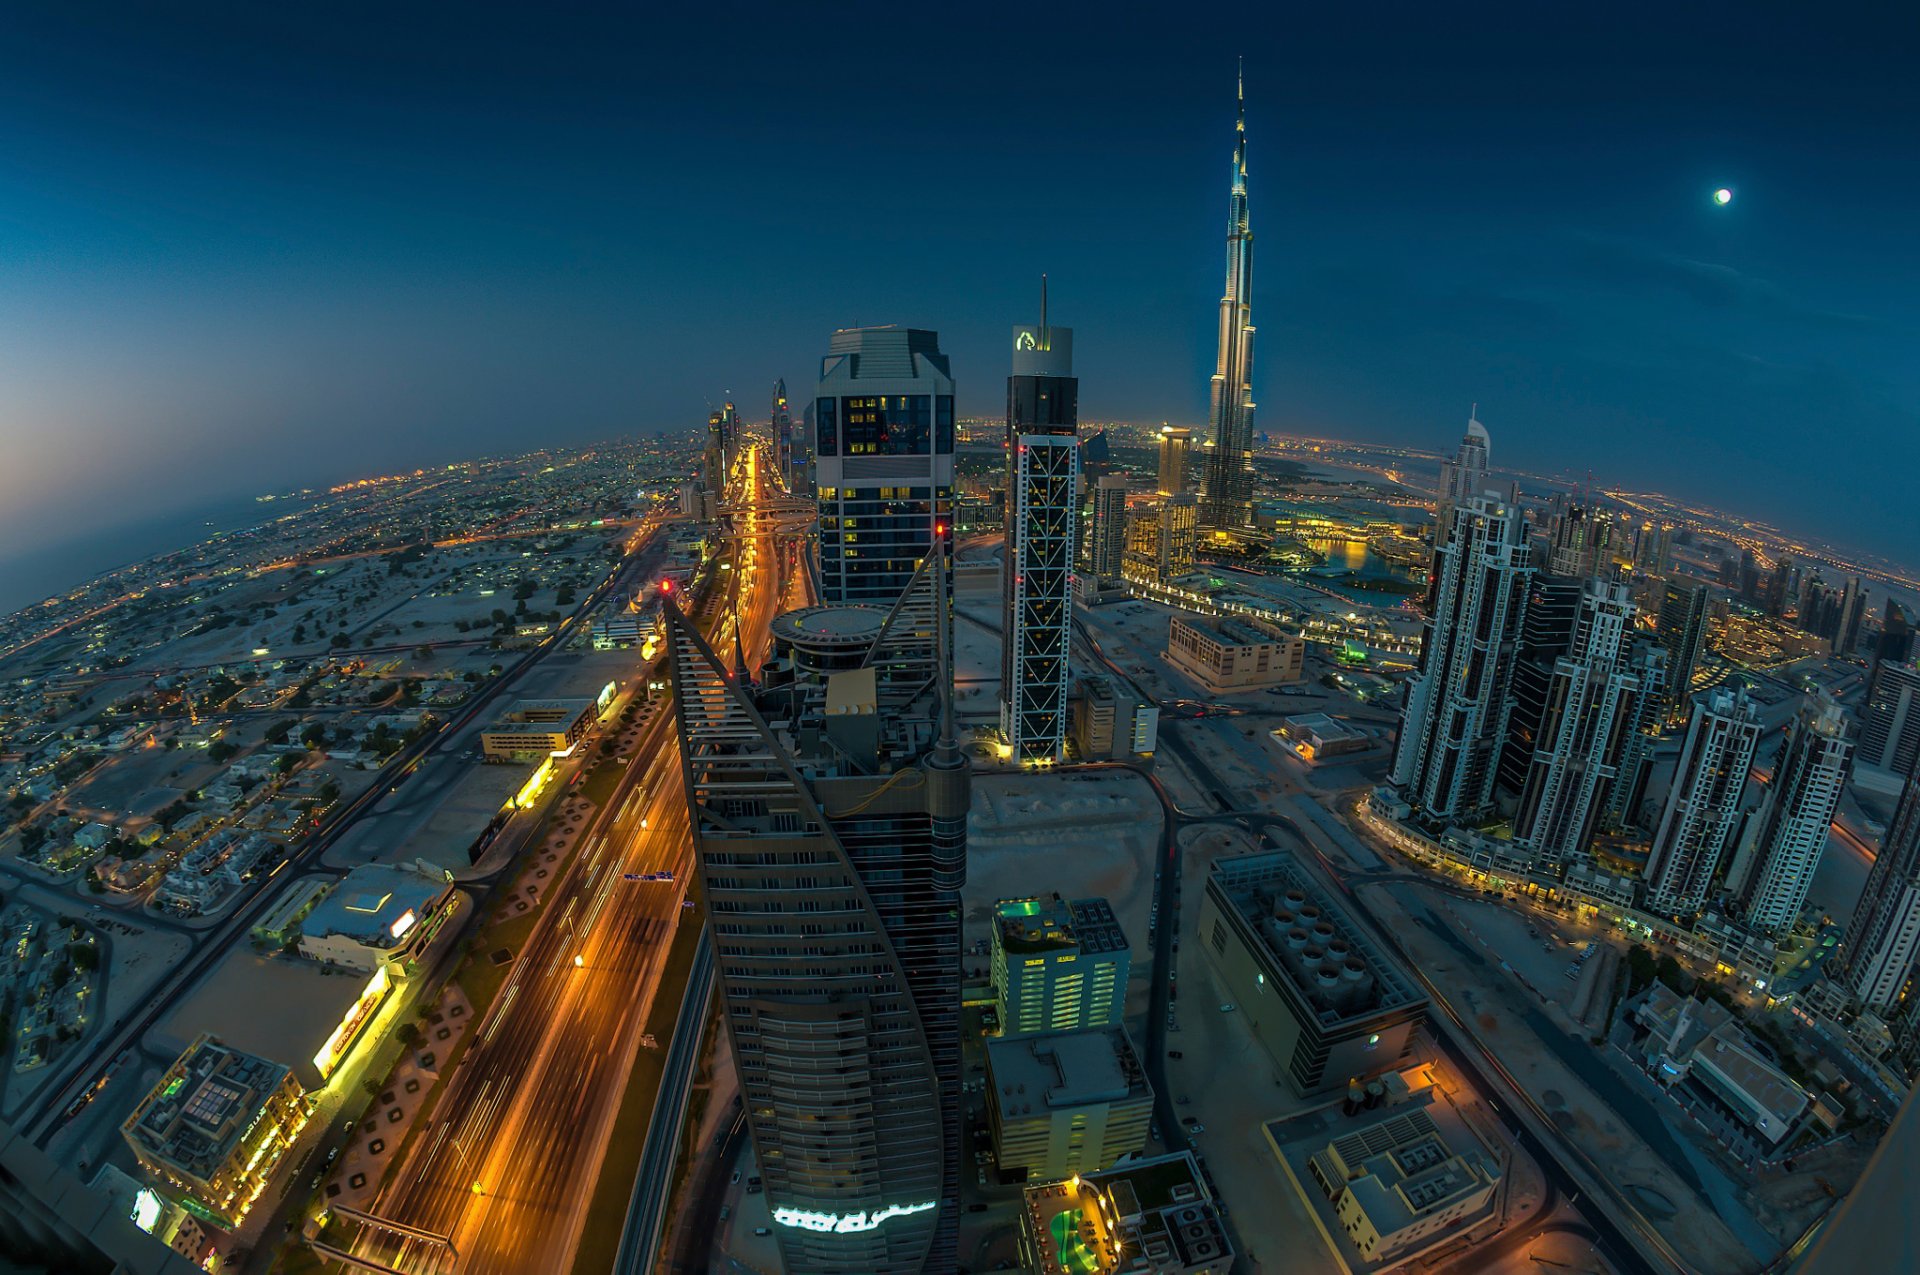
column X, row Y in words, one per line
column 1703, row 807
column 1318, row 994
column 1682, row 631
column 1464, row 477
column 1890, row 719
column 1175, row 446
column 1227, row 500
column 1153, row 1216
column 1043, row 502
column 1107, row 536
column 883, row 459
column 1066, row 1103
column 829, row 810
column 1775, row 868
column 1585, row 733
column 1109, row 724
column 1883, row 939
column 216, row 1126
column 1058, row 965
column 1455, row 721
column 1231, row 654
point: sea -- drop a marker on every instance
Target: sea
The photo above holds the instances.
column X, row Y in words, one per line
column 39, row 574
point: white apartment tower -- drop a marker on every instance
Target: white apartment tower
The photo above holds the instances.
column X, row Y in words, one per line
column 1883, row 939
column 1703, row 807
column 1457, row 704
column 1776, row 863
column 1463, row 477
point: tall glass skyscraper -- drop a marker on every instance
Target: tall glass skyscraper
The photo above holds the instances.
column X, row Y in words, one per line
column 883, row 459
column 1228, row 498
column 1775, row 866
column 829, row 808
column 1043, row 499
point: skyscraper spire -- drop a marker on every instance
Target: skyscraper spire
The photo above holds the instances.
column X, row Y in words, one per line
column 1228, row 496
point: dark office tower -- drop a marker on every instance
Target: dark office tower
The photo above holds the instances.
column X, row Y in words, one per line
column 1780, row 586
column 1730, row 573
column 1463, row 477
column 1750, row 577
column 1895, row 642
column 782, row 422
column 714, row 459
column 1175, row 443
column 1853, row 609
column 1107, row 533
column 1043, row 501
column 1227, row 500
column 1546, row 633
column 1585, row 730
column 1455, row 722
column 883, row 459
column 1782, row 848
column 1682, row 631
column 1703, row 806
column 829, row 809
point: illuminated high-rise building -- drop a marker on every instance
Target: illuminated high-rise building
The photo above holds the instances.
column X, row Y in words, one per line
column 1043, row 499
column 883, row 459
column 1107, row 536
column 1227, row 500
column 1784, row 842
column 1463, row 477
column 829, row 810
column 782, row 429
column 1175, row 444
column 1703, row 806
column 1458, row 702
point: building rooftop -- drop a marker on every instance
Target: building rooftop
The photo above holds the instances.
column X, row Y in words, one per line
column 855, row 625
column 1146, row 1215
column 376, row 903
column 203, row 1106
column 1327, row 728
column 1230, row 631
column 271, row 1006
column 1311, row 944
column 1029, row 926
column 1064, row 1069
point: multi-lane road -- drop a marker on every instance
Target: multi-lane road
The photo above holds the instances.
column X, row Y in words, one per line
column 508, row 1167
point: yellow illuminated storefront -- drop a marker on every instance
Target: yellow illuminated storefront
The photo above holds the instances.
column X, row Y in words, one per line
column 359, row 1014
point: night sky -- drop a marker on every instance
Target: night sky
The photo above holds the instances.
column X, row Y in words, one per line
column 254, row 246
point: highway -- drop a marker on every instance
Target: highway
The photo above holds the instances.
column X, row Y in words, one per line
column 509, row 1164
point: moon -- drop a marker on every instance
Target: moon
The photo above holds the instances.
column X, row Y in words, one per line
column 1723, row 196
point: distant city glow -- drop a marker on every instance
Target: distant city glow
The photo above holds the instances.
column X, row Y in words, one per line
column 846, row 1223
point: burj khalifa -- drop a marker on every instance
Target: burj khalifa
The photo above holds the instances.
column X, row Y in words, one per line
column 1227, row 496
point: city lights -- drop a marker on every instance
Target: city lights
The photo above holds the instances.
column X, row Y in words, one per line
column 848, row 1223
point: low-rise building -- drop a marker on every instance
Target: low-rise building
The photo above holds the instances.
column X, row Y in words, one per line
column 1387, row 1184
column 1146, row 1217
column 533, row 729
column 379, row 914
column 1058, row 965
column 1107, row 724
column 1316, row 737
column 1320, row 996
column 1066, row 1103
column 216, row 1126
column 1229, row 654
column 1699, row 1041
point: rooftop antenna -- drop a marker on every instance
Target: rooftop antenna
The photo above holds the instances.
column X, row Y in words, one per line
column 1045, row 342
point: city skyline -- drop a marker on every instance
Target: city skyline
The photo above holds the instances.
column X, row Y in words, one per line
column 516, row 825
column 1413, row 259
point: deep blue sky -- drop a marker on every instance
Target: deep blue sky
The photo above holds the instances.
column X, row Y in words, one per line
column 248, row 246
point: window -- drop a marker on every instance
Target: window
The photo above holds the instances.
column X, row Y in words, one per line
column 826, row 429
column 883, row 425
column 943, row 425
